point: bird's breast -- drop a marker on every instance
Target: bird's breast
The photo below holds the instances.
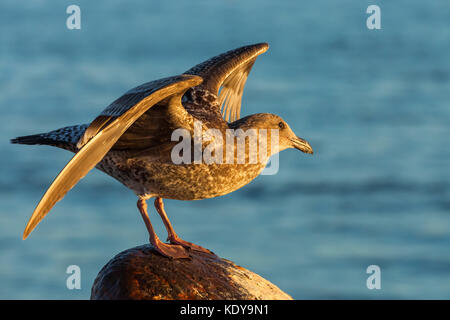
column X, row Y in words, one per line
column 183, row 181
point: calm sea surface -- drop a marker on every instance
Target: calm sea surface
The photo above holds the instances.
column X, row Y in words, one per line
column 375, row 106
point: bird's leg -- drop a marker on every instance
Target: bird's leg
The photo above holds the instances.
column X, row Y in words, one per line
column 168, row 250
column 172, row 236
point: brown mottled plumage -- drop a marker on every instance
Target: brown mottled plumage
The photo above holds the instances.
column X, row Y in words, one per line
column 131, row 141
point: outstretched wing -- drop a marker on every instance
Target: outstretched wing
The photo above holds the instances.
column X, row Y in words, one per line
column 228, row 73
column 122, row 114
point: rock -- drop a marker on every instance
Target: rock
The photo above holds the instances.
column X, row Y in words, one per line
column 141, row 273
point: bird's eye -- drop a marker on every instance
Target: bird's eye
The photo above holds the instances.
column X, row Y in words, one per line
column 281, row 125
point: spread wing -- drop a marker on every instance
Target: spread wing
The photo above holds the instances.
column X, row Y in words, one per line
column 106, row 129
column 228, row 73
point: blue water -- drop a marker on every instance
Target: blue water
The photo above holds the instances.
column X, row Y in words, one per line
column 375, row 105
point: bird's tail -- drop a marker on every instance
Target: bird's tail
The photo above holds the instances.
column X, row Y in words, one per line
column 65, row 138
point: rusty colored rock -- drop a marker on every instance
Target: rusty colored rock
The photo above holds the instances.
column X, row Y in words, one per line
column 141, row 273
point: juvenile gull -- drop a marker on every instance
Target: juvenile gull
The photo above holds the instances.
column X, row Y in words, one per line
column 131, row 140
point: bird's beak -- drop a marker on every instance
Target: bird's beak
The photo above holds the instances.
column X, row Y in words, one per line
column 302, row 145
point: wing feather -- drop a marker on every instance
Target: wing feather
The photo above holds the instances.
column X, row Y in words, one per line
column 123, row 104
column 232, row 89
column 97, row 147
column 227, row 73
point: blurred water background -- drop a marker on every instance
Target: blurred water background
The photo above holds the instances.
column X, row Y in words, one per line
column 373, row 104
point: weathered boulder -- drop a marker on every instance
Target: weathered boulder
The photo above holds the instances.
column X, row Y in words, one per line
column 142, row 273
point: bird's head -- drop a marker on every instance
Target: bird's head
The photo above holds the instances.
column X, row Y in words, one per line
column 286, row 137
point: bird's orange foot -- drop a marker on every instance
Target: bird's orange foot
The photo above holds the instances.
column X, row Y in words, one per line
column 189, row 245
column 172, row 251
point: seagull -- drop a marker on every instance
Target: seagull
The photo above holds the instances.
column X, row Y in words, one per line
column 132, row 141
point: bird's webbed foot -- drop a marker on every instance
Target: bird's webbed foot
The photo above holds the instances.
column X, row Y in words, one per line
column 172, row 251
column 175, row 240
